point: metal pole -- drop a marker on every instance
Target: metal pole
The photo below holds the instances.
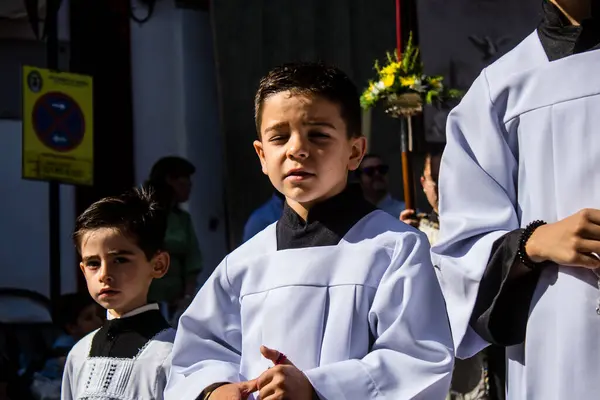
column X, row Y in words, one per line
column 54, row 187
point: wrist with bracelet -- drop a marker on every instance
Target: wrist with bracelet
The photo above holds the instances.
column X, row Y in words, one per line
column 523, row 239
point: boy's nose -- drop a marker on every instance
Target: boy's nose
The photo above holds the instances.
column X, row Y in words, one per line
column 104, row 275
column 297, row 147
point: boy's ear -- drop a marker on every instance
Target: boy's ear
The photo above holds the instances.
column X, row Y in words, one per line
column 82, row 267
column 160, row 264
column 258, row 147
column 357, row 152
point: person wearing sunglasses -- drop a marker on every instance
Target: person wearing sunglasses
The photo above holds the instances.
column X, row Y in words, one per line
column 373, row 179
column 428, row 222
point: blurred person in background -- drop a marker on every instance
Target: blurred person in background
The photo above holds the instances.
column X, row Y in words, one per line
column 170, row 179
column 373, row 178
column 428, row 222
column 78, row 315
column 263, row 216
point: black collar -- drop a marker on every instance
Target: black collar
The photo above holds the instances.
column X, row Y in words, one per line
column 327, row 223
column 124, row 337
column 561, row 39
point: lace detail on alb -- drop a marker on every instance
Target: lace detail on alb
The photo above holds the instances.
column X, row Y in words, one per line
column 106, row 378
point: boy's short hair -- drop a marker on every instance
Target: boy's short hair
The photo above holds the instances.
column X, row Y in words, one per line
column 315, row 79
column 136, row 214
column 70, row 307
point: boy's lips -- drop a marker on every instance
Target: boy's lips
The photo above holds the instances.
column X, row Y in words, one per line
column 106, row 292
column 298, row 174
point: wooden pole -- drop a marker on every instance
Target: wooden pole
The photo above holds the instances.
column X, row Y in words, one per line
column 407, row 176
column 407, row 173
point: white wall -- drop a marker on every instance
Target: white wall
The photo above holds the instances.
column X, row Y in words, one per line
column 24, row 223
column 176, row 111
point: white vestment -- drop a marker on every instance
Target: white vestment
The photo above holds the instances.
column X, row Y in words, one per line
column 141, row 377
column 364, row 319
column 524, row 144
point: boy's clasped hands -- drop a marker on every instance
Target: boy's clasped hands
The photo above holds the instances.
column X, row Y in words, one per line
column 283, row 381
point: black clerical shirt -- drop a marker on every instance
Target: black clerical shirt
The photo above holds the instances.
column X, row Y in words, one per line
column 125, row 337
column 502, row 306
column 561, row 39
column 327, row 223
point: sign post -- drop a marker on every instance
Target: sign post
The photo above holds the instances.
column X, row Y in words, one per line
column 57, row 135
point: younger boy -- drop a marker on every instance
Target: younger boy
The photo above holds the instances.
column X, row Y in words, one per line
column 346, row 292
column 120, row 241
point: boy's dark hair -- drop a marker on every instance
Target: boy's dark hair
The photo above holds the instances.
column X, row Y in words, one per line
column 135, row 213
column 316, row 79
column 70, row 307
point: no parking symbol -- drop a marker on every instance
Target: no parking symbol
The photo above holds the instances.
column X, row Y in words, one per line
column 57, row 126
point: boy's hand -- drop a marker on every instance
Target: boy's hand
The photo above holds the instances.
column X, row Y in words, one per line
column 409, row 217
column 234, row 391
column 283, row 381
column 570, row 241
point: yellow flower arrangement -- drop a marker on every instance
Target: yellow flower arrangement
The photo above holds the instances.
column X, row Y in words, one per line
column 405, row 79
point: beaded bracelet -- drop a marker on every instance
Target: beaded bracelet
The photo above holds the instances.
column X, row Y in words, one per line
column 525, row 235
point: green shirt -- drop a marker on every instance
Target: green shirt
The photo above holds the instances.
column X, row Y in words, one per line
column 186, row 260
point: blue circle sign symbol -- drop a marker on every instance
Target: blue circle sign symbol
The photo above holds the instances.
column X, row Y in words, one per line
column 58, row 121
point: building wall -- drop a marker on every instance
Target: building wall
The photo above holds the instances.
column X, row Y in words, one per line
column 175, row 105
column 461, row 37
column 176, row 112
column 24, row 223
column 253, row 37
column 24, row 204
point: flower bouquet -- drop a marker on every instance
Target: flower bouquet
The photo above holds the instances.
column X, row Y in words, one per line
column 403, row 87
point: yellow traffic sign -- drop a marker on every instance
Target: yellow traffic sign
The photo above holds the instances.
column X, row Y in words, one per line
column 58, row 126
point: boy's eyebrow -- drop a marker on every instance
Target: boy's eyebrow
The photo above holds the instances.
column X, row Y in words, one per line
column 320, row 123
column 121, row 252
column 280, row 125
column 276, row 127
column 112, row 253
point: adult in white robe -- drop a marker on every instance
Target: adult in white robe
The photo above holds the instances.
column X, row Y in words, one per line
column 524, row 145
column 362, row 315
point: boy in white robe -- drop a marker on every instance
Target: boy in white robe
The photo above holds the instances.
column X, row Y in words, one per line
column 120, row 241
column 343, row 296
column 519, row 199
